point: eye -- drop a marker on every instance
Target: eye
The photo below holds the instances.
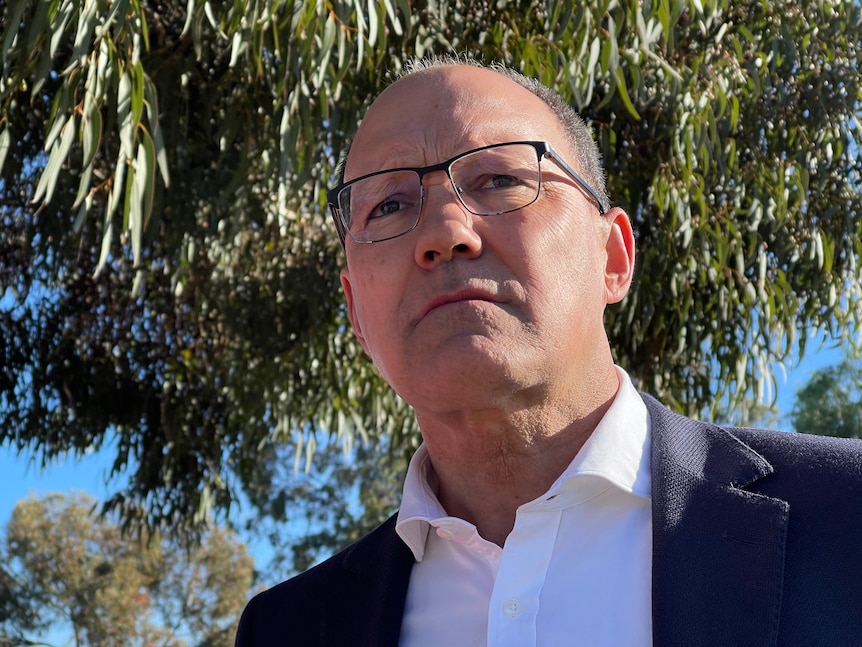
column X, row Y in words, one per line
column 388, row 207
column 383, row 197
column 492, row 182
column 503, row 181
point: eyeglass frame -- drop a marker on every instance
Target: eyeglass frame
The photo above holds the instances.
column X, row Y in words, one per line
column 543, row 149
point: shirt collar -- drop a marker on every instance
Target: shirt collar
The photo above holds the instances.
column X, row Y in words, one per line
column 619, row 448
column 616, row 454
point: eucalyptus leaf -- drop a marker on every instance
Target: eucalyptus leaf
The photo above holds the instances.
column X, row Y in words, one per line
column 5, row 143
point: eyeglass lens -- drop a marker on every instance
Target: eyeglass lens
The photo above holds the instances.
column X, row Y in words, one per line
column 488, row 182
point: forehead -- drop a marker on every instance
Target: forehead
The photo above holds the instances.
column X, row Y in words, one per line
column 435, row 114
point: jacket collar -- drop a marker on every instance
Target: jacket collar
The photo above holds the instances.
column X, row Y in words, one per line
column 718, row 549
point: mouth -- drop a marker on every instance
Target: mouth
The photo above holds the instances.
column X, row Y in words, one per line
column 456, row 297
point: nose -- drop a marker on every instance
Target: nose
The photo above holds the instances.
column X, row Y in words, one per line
column 445, row 229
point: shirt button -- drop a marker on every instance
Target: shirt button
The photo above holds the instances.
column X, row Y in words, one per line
column 512, row 607
column 445, row 533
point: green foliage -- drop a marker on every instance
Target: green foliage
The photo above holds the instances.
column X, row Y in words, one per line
column 831, row 403
column 169, row 275
column 64, row 566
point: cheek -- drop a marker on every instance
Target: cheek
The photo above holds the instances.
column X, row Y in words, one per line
column 566, row 268
column 365, row 296
column 376, row 303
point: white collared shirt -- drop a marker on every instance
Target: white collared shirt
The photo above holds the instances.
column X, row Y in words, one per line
column 575, row 570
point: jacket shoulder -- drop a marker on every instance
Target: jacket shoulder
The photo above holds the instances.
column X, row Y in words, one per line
column 805, row 451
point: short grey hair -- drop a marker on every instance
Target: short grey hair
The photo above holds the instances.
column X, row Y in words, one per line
column 588, row 160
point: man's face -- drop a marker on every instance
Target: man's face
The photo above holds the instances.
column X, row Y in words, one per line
column 471, row 311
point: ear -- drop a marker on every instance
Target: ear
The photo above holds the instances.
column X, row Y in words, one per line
column 351, row 307
column 620, row 255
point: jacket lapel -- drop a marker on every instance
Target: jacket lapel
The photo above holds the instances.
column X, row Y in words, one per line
column 377, row 571
column 718, row 549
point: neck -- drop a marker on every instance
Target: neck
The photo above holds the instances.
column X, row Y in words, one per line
column 491, row 461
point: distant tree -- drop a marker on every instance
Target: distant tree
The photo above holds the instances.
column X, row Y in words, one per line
column 830, row 403
column 169, row 274
column 65, row 566
column 17, row 613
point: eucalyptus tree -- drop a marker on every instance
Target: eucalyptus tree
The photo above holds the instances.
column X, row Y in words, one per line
column 170, row 276
column 70, row 572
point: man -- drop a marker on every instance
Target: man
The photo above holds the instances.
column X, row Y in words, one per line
column 550, row 503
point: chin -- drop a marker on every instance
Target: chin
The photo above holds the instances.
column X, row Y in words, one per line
column 459, row 386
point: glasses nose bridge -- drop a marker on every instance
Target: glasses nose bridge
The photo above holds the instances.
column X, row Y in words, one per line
column 446, row 169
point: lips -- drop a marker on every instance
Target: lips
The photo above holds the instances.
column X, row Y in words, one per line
column 456, row 297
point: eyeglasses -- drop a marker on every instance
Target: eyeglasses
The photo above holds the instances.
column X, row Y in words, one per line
column 488, row 181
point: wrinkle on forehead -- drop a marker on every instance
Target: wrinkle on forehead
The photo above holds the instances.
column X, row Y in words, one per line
column 436, row 114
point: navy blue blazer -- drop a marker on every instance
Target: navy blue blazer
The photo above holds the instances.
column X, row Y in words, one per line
column 757, row 542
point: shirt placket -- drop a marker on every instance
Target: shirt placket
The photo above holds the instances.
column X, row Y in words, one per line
column 514, row 605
